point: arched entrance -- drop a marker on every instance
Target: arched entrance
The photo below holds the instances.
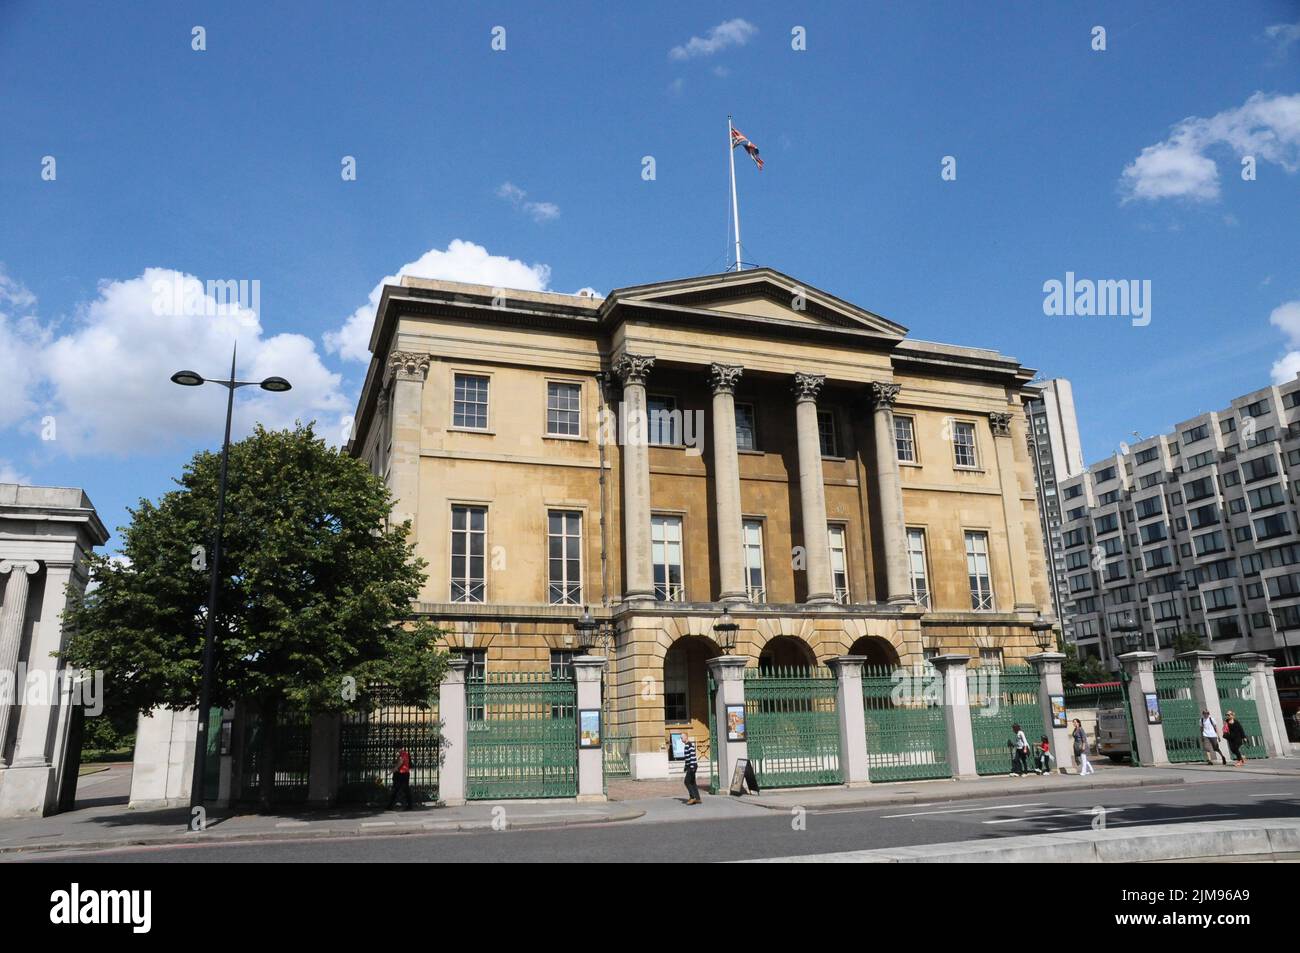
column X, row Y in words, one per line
column 786, row 651
column 686, row 694
column 878, row 651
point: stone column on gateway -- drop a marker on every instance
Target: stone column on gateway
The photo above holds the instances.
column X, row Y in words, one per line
column 13, row 616
column 890, row 493
column 632, row 371
column 812, row 490
column 726, row 479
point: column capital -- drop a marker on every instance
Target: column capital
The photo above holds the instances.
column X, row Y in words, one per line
column 409, row 365
column 633, row 368
column 808, row 386
column 1000, row 423
column 723, row 378
column 28, row 566
column 884, row 396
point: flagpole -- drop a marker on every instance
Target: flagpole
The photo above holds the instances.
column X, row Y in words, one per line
column 735, row 208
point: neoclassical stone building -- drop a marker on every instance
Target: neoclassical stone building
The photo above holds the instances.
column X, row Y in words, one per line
column 736, row 440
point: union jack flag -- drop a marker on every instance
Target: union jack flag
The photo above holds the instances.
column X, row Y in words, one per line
column 738, row 139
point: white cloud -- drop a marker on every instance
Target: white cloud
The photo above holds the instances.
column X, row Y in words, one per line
column 8, row 474
column 1265, row 126
column 462, row 261
column 106, row 381
column 1284, row 35
column 1286, row 318
column 735, row 32
column 21, row 340
column 539, row 211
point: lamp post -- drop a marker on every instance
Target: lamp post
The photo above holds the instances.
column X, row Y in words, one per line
column 277, row 385
column 1042, row 629
column 726, row 628
column 1131, row 632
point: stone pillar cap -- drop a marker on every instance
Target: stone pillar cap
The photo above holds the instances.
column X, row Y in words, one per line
column 589, row 661
column 1046, row 656
column 945, row 661
column 727, row 661
column 1196, row 653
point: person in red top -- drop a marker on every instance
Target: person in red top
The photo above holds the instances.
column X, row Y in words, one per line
column 401, row 779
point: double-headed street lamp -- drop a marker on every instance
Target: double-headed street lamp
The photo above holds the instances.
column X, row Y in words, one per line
column 277, row 385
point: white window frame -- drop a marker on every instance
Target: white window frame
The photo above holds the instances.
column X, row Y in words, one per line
column 578, row 433
column 675, row 422
column 840, row 574
column 827, row 413
column 957, row 445
column 467, row 582
column 979, row 583
column 910, row 423
column 751, row 541
column 918, row 559
column 569, row 589
column 661, row 551
column 487, row 401
column 753, row 426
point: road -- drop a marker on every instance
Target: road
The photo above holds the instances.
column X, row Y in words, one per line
column 714, row 831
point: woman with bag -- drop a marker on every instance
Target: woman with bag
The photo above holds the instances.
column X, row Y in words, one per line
column 1080, row 738
column 1235, row 735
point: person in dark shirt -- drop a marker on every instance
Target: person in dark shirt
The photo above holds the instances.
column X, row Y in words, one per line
column 1235, row 735
column 692, row 762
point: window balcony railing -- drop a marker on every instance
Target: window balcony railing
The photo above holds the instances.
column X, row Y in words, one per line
column 756, row 593
column 842, row 596
column 670, row 592
column 560, row 594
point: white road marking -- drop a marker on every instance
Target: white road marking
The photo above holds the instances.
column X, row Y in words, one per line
column 379, row 823
column 1282, row 794
column 1151, row 820
column 293, row 824
column 1035, row 817
column 966, row 810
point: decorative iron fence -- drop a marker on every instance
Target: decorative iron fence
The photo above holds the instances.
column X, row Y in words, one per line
column 292, row 758
column 792, row 725
column 1237, row 694
column 617, row 745
column 522, row 736
column 715, row 781
column 370, row 740
column 1000, row 699
column 1180, row 712
column 1101, row 695
column 907, row 730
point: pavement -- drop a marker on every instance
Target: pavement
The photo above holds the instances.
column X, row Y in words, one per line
column 102, row 820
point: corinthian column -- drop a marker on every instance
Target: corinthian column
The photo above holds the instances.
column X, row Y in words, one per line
column 890, row 493
column 408, row 372
column 1013, row 511
column 812, row 491
column 726, row 482
column 632, row 370
column 12, row 616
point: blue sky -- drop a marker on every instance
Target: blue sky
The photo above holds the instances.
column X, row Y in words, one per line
column 225, row 164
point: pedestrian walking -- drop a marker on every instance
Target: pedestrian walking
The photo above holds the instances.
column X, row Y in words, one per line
column 401, row 779
column 1235, row 735
column 1043, row 756
column 1019, row 752
column 692, row 763
column 1080, row 738
column 1210, row 738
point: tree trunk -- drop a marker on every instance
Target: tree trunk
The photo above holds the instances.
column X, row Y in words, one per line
column 266, row 757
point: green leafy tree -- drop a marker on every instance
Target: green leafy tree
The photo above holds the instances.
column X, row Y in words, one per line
column 315, row 600
column 1188, row 642
column 1082, row 671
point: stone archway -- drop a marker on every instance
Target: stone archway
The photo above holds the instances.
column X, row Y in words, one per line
column 686, row 690
column 786, row 651
column 878, row 652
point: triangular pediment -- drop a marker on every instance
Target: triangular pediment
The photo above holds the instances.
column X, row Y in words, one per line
column 760, row 294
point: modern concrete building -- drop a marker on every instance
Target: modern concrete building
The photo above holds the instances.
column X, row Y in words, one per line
column 738, row 440
column 1056, row 454
column 46, row 533
column 1192, row 531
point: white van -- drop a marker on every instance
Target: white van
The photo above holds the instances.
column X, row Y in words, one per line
column 1112, row 734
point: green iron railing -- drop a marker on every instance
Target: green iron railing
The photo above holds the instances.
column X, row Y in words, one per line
column 292, row 758
column 617, row 745
column 1095, row 696
column 522, row 736
column 907, row 729
column 369, row 742
column 1237, row 694
column 792, row 726
column 1180, row 712
column 1000, row 699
